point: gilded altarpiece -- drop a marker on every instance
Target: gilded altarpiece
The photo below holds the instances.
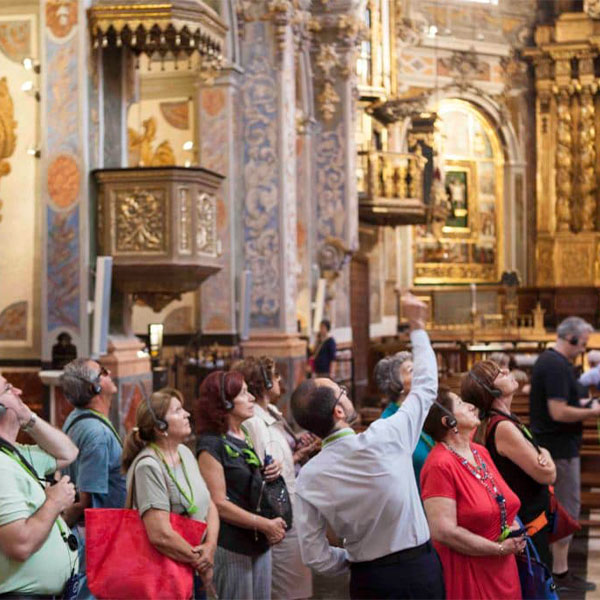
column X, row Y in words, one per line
column 568, row 121
column 467, row 247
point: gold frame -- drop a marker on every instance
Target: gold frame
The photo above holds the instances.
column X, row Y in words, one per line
column 444, row 273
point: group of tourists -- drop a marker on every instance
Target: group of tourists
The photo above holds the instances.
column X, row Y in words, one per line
column 435, row 499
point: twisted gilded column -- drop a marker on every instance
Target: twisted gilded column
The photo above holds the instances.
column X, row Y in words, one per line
column 587, row 157
column 564, row 161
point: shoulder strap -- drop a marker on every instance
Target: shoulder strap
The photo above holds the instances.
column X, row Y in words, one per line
column 129, row 500
column 90, row 415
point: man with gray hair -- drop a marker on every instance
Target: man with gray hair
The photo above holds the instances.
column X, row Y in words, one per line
column 97, row 470
column 592, row 376
column 556, row 416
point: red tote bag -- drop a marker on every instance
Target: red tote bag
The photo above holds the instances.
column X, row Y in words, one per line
column 122, row 564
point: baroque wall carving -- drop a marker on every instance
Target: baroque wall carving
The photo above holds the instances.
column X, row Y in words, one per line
column 8, row 126
column 139, row 221
column 142, row 152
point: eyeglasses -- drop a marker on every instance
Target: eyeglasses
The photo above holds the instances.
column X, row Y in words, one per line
column 343, row 390
column 104, row 372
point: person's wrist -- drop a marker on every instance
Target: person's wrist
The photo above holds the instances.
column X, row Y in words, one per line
column 28, row 421
column 501, row 549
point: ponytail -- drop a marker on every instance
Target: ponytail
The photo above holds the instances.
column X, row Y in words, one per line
column 132, row 446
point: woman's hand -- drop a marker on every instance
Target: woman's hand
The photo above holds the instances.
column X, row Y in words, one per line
column 206, row 557
column 544, row 457
column 274, row 529
column 512, row 545
column 272, row 471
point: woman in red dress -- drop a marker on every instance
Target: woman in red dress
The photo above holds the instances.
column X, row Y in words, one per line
column 470, row 508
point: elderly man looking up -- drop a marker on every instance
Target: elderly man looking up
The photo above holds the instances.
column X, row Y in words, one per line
column 38, row 554
column 363, row 486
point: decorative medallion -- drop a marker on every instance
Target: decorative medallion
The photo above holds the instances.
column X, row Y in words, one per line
column 13, row 322
column 176, row 114
column 15, row 39
column 63, row 181
column 213, row 101
column 61, row 16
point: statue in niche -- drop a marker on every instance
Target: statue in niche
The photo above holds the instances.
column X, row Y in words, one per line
column 457, row 192
column 141, row 147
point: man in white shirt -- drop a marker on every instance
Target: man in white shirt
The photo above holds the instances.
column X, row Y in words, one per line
column 592, row 375
column 363, row 486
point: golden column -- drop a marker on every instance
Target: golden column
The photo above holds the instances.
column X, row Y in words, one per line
column 568, row 236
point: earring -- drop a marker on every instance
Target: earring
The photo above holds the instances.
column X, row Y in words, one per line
column 455, row 430
column 166, row 433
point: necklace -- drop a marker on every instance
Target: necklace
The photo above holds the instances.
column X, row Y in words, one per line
column 192, row 508
column 481, row 473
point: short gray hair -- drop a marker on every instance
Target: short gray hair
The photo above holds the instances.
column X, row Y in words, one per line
column 387, row 383
column 573, row 327
column 593, row 357
column 500, row 358
column 76, row 380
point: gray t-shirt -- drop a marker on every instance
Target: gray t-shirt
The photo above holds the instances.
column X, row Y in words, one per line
column 154, row 487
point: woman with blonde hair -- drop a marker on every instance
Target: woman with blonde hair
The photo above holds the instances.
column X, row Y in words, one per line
column 166, row 479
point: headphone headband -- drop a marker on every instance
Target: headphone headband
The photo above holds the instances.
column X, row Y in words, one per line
column 451, row 418
column 265, row 375
column 494, row 392
column 227, row 404
column 159, row 423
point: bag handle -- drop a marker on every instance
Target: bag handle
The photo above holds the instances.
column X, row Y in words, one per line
column 130, row 498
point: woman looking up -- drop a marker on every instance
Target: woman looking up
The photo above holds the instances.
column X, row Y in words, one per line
column 232, row 471
column 271, row 435
column 167, row 480
column 526, row 467
column 470, row 508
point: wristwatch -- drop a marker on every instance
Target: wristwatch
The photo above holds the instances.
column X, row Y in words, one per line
column 30, row 424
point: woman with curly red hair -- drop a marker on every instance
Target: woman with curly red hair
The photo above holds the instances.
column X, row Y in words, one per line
column 231, row 469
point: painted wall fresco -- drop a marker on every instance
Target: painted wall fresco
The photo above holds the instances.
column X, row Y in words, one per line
column 261, row 214
column 19, row 116
column 63, row 187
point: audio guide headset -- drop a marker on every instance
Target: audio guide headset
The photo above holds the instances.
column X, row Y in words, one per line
column 227, row 404
column 574, row 341
column 265, row 375
column 93, row 389
column 494, row 392
column 160, row 424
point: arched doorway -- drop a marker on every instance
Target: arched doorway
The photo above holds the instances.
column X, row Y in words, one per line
column 468, row 247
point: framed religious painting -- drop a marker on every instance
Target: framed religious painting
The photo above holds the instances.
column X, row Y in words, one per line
column 462, row 196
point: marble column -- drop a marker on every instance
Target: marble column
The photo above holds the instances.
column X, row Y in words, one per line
column 269, row 165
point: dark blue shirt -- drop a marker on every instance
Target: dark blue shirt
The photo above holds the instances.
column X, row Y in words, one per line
column 325, row 355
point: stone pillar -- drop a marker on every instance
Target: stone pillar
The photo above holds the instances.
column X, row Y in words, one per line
column 64, row 188
column 268, row 106
column 337, row 28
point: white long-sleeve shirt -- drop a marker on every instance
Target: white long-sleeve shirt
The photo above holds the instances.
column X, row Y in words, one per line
column 591, row 377
column 364, row 485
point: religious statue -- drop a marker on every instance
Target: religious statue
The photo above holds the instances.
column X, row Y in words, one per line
column 141, row 151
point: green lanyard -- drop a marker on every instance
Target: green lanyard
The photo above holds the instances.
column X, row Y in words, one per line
column 192, row 508
column 336, row 436
column 108, row 424
column 427, row 442
column 250, row 455
column 13, row 456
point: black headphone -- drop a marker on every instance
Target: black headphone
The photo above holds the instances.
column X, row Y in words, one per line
column 94, row 386
column 160, row 424
column 265, row 375
column 451, row 422
column 494, row 392
column 574, row 341
column 3, row 410
column 227, row 404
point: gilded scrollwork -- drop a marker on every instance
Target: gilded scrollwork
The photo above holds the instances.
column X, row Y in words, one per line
column 587, row 158
column 185, row 221
column 140, row 217
column 8, row 125
column 564, row 162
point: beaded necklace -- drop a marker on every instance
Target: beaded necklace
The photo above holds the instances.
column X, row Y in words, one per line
column 481, row 473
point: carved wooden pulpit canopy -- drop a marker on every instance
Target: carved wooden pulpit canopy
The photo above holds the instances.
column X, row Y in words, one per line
column 179, row 28
column 160, row 226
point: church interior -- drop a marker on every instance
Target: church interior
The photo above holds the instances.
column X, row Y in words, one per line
column 193, row 181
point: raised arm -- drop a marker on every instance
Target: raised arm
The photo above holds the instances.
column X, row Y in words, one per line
column 407, row 422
